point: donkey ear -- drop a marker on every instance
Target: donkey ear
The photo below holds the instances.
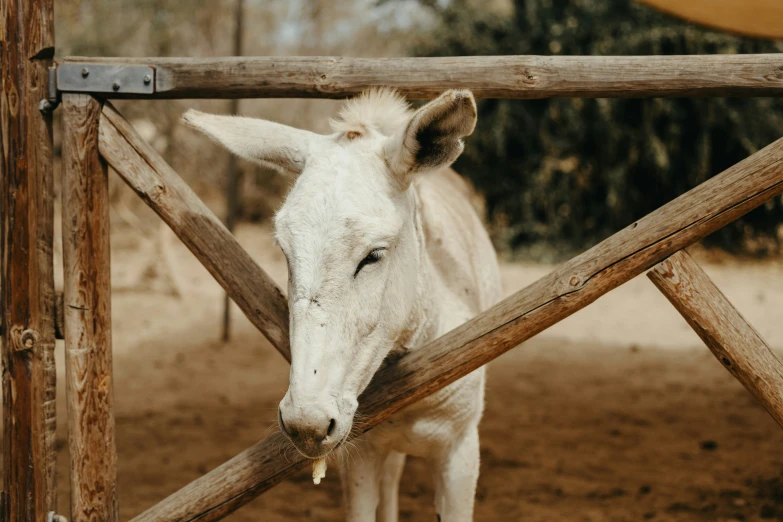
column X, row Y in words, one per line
column 433, row 137
column 273, row 145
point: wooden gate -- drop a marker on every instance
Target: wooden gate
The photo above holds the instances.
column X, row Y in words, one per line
column 97, row 136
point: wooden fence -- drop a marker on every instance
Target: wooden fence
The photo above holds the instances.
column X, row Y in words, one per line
column 97, row 136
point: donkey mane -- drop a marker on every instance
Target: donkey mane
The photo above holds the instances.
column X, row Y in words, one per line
column 381, row 109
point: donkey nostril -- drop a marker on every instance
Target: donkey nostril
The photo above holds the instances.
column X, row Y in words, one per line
column 332, row 424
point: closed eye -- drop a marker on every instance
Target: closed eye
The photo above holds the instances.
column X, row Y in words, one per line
column 373, row 257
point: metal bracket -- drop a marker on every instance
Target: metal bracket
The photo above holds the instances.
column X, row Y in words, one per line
column 52, row 99
column 97, row 78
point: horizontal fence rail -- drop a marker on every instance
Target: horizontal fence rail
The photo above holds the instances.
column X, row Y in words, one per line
column 486, row 76
column 569, row 288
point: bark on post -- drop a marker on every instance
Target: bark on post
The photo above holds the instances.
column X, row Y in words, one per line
column 734, row 342
column 26, row 268
column 88, row 315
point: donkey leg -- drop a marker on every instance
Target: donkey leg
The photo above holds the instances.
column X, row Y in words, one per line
column 388, row 510
column 360, row 475
column 456, row 473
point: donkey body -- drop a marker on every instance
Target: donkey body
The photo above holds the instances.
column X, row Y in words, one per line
column 385, row 253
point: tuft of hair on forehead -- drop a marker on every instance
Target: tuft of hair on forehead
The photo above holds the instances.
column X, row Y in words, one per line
column 382, row 109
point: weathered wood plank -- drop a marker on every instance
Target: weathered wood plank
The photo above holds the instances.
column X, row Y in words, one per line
column 486, row 76
column 87, row 314
column 569, row 288
column 733, row 341
column 164, row 191
column 26, row 266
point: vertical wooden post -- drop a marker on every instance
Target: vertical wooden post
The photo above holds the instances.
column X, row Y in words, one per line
column 87, row 289
column 232, row 187
column 26, row 267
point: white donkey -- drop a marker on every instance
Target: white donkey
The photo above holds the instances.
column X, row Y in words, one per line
column 385, row 253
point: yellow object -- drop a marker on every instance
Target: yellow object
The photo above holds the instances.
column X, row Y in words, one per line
column 319, row 470
column 763, row 18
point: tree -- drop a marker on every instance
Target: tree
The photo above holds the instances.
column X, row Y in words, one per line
column 565, row 173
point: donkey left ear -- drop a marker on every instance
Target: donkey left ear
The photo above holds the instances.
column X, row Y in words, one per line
column 271, row 144
column 433, row 137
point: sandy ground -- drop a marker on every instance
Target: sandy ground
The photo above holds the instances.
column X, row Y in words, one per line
column 618, row 413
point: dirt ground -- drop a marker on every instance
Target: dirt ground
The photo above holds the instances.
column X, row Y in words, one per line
column 617, row 414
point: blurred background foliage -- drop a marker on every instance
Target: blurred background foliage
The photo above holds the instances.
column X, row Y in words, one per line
column 558, row 175
column 206, row 28
column 561, row 174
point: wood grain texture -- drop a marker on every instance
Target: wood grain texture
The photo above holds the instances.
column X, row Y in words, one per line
column 759, row 18
column 26, row 266
column 569, row 288
column 87, row 314
column 730, row 338
column 166, row 193
column 486, row 76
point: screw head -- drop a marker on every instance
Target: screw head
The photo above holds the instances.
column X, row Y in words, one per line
column 116, row 86
column 147, row 79
column 45, row 106
column 85, row 72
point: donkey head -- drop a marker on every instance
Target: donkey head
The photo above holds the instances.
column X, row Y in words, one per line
column 348, row 232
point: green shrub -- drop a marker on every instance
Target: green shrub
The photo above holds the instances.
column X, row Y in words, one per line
column 565, row 173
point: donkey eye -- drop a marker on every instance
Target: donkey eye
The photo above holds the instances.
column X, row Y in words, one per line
column 373, row 257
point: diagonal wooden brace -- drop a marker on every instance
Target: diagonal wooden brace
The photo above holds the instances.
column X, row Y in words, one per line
column 733, row 341
column 203, row 233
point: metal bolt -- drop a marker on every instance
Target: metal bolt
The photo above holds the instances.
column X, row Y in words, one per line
column 54, row 517
column 85, row 72
column 116, row 86
column 28, row 339
column 147, row 79
column 45, row 106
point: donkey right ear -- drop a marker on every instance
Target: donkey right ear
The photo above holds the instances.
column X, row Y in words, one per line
column 271, row 144
column 433, row 137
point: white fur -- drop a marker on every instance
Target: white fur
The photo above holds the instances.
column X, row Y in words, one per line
column 382, row 110
column 381, row 181
column 271, row 144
